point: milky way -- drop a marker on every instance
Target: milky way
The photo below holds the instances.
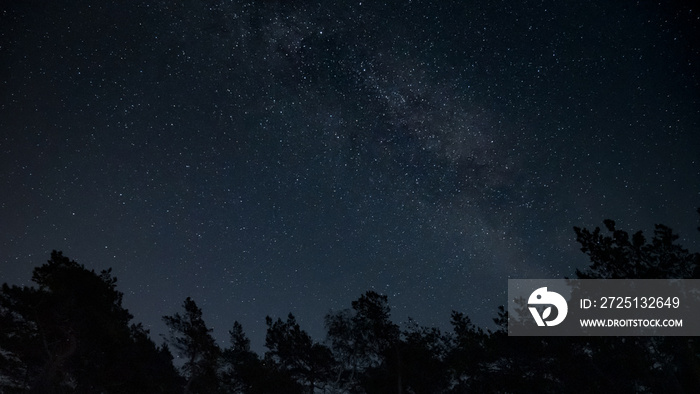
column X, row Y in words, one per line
column 263, row 157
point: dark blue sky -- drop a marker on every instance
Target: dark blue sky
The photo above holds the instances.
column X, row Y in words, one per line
column 266, row 158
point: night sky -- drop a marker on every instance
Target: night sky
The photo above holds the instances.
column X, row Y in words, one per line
column 267, row 157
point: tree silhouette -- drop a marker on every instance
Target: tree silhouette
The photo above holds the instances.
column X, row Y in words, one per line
column 73, row 335
column 293, row 351
column 192, row 339
column 362, row 340
column 467, row 353
column 615, row 256
column 660, row 363
column 241, row 365
column 244, row 372
column 70, row 334
column 494, row 362
column 422, row 359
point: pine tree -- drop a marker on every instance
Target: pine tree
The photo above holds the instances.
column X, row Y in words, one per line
column 192, row 339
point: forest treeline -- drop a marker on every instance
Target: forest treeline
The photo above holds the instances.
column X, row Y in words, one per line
column 70, row 334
